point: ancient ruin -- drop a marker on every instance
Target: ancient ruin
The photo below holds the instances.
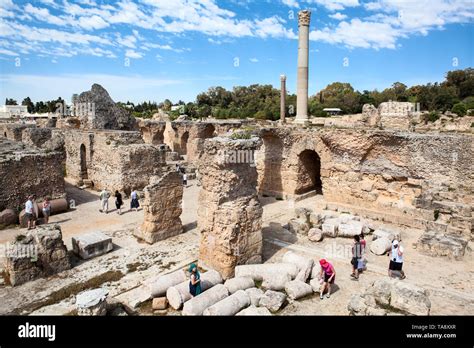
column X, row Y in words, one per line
column 251, row 204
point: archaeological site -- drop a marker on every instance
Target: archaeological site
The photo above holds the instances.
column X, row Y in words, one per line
column 105, row 212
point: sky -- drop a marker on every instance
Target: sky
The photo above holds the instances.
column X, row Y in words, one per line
column 155, row 49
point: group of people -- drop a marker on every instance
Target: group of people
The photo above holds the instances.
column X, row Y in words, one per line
column 327, row 274
column 105, row 196
column 31, row 214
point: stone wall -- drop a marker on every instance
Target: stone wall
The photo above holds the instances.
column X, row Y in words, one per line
column 39, row 253
column 162, row 208
column 229, row 212
column 25, row 170
column 152, row 131
column 423, row 180
column 14, row 131
column 116, row 160
column 36, row 136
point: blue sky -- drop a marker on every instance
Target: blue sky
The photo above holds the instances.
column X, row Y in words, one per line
column 157, row 49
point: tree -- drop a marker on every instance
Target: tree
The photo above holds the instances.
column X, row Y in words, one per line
column 10, row 101
column 29, row 104
column 167, row 105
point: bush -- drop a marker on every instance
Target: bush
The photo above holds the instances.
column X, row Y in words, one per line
column 241, row 135
column 433, row 116
column 459, row 109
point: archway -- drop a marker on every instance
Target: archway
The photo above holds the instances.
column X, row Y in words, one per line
column 184, row 143
column 309, row 173
column 83, row 159
column 270, row 175
column 208, row 131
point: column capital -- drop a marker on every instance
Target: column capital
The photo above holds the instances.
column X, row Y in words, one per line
column 304, row 17
column 282, row 77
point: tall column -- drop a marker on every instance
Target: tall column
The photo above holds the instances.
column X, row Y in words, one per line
column 282, row 98
column 302, row 77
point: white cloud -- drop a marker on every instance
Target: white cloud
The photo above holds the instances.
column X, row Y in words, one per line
column 338, row 16
column 273, row 27
column 92, row 22
column 253, row 60
column 8, row 52
column 42, row 14
column 290, row 3
column 133, row 54
column 335, row 5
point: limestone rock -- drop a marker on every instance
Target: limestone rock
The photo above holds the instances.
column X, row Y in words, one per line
column 390, row 234
column 92, row 302
column 100, row 111
column 305, row 265
column 297, row 289
column 380, row 246
column 388, row 296
column 329, row 227
column 92, row 244
column 8, row 217
column 437, row 244
column 197, row 305
column 302, row 213
column 315, row 235
column 159, row 303
column 255, row 295
column 162, row 209
column 315, row 219
column 259, row 272
column 230, row 305
column 351, row 228
column 315, row 284
column 253, row 310
column 298, row 226
column 272, row 300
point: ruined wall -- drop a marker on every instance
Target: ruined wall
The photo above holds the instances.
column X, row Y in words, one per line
column 25, row 171
column 152, row 131
column 229, row 212
column 117, row 160
column 162, row 209
column 409, row 175
column 14, row 131
column 36, row 136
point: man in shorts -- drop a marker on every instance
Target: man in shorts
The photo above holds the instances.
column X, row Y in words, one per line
column 30, row 213
column 396, row 260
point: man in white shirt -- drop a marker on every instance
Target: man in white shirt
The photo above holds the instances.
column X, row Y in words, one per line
column 185, row 179
column 396, row 259
column 30, row 212
column 104, row 199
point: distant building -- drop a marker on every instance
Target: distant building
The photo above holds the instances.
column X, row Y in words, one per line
column 176, row 107
column 332, row 111
column 8, row 111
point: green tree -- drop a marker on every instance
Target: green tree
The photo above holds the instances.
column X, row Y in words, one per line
column 459, row 109
column 29, row 104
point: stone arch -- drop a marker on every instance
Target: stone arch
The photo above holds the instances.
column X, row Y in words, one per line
column 209, row 131
column 184, row 143
column 83, row 161
column 309, row 172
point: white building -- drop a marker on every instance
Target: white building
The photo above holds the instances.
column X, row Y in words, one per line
column 8, row 111
column 332, row 111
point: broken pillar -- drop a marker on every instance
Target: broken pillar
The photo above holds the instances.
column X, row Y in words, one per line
column 92, row 244
column 229, row 213
column 162, row 209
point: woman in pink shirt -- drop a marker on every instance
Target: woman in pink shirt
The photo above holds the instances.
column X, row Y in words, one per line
column 327, row 275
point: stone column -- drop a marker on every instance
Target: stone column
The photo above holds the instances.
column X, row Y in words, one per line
column 302, row 77
column 162, row 209
column 229, row 213
column 282, row 98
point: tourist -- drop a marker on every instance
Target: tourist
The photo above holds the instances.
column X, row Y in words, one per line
column 46, row 210
column 177, row 168
column 327, row 277
column 134, row 204
column 185, row 179
column 362, row 261
column 195, row 281
column 30, row 213
column 118, row 202
column 356, row 256
column 396, row 260
column 104, row 199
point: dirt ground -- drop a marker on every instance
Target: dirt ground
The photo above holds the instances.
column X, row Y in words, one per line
column 450, row 282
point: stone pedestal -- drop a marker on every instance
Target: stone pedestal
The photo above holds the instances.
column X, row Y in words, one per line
column 162, row 209
column 92, row 244
column 302, row 75
column 229, row 213
column 92, row 302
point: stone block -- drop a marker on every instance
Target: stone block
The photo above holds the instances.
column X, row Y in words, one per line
column 159, row 303
column 272, row 300
column 92, row 244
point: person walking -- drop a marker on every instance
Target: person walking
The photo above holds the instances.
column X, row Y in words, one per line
column 396, row 260
column 104, row 199
column 362, row 261
column 118, row 202
column 30, row 212
column 356, row 256
column 195, row 281
column 185, row 180
column 46, row 210
column 327, row 277
column 134, row 204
